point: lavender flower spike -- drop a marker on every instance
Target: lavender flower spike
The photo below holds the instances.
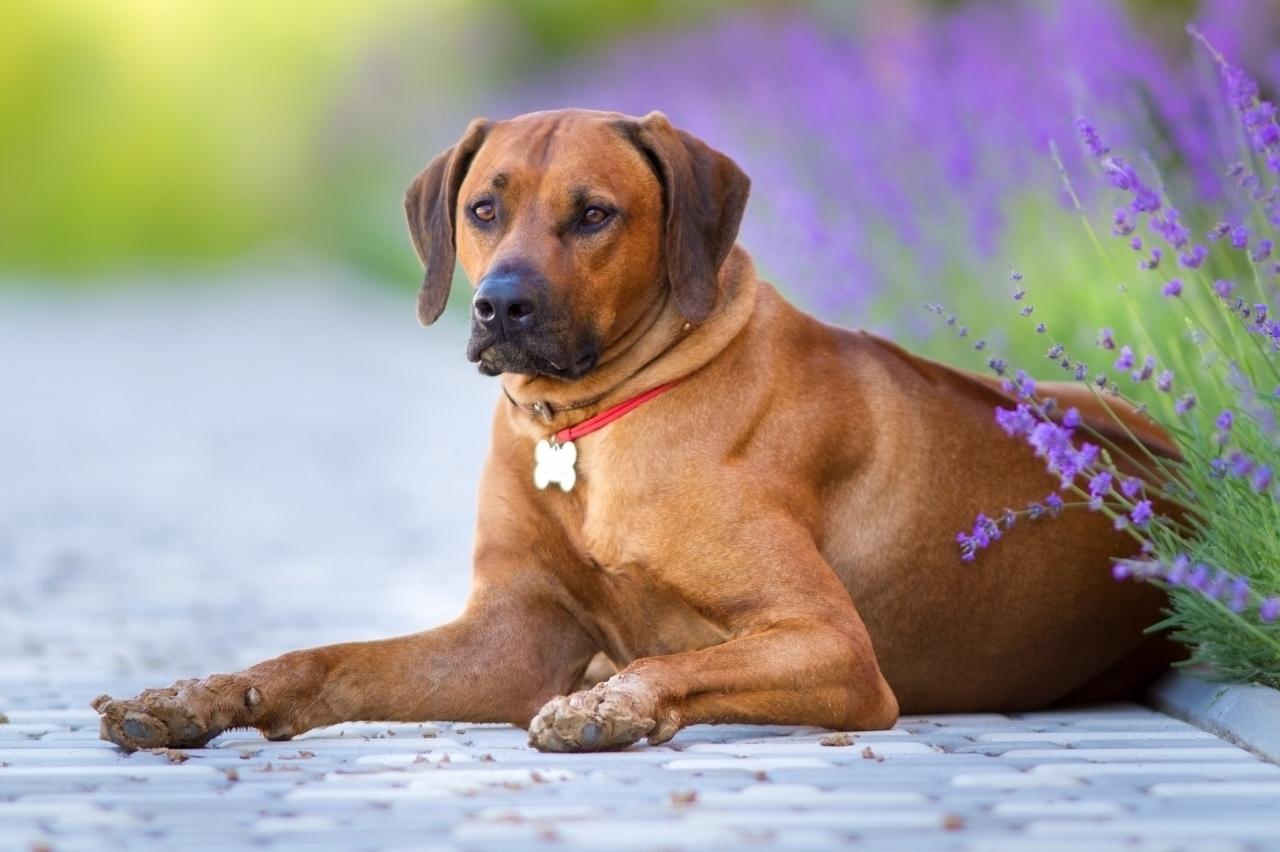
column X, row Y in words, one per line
column 1089, row 136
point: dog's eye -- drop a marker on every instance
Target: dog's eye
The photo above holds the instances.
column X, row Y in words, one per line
column 593, row 216
column 484, row 211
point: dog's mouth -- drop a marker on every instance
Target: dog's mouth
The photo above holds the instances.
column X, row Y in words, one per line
column 495, row 356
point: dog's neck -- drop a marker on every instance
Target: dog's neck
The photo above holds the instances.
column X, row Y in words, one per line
column 660, row 347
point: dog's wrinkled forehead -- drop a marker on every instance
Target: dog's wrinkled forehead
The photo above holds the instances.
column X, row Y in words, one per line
column 568, row 152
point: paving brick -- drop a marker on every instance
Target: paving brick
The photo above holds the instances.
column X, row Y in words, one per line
column 805, row 795
column 1013, row 780
column 1074, row 736
column 1130, row 755
column 1206, row 769
column 1181, row 829
column 786, row 747
column 744, row 764
column 1215, row 789
column 1057, row 807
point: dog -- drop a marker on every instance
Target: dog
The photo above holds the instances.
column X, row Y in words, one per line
column 710, row 505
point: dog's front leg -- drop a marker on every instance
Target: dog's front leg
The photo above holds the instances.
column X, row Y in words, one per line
column 802, row 656
column 514, row 647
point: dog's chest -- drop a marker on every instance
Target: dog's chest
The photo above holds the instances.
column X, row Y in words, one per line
column 612, row 512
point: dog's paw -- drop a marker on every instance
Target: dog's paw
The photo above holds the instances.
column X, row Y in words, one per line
column 610, row 715
column 185, row 715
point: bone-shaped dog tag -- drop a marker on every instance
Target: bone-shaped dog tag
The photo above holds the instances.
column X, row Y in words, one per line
column 554, row 463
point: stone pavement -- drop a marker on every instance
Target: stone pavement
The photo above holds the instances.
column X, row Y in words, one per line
column 190, row 483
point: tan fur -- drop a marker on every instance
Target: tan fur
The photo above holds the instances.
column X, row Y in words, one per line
column 771, row 541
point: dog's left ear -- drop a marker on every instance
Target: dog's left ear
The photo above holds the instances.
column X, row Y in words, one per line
column 704, row 194
column 429, row 206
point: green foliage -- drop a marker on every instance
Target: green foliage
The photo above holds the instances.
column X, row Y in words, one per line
column 1217, row 547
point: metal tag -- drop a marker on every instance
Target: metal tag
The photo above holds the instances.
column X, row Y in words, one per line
column 553, row 463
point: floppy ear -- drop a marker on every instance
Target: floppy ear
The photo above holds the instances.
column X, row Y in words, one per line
column 704, row 193
column 429, row 206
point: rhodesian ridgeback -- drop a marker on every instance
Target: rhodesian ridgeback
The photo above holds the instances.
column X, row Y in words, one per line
column 709, row 504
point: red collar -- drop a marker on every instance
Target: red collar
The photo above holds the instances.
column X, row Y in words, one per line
column 604, row 418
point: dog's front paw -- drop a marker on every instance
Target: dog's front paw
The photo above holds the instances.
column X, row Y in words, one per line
column 610, row 715
column 185, row 715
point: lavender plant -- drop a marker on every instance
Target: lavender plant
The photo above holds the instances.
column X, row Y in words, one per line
column 1206, row 524
column 895, row 154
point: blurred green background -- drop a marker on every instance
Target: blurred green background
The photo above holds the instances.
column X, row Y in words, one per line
column 157, row 134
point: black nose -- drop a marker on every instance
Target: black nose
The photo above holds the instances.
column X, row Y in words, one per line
column 505, row 300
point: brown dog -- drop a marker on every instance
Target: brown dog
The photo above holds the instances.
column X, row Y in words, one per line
column 772, row 540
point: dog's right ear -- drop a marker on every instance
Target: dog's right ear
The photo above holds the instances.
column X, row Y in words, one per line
column 429, row 207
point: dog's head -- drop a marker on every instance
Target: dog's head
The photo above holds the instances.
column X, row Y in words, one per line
column 570, row 225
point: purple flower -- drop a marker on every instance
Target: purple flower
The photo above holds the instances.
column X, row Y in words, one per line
column 1026, row 386
column 1099, row 488
column 1054, row 504
column 1184, row 403
column 1177, row 572
column 1238, row 597
column 1260, row 478
column 1122, row 223
column 1239, row 237
column 1142, row 513
column 1261, row 251
column 1131, row 486
column 1165, row 382
column 1242, row 91
column 1194, row 258
column 1173, row 288
column 1016, row 421
column 1217, row 232
column 1106, row 339
column 1169, row 228
column 1222, row 287
column 1052, row 442
column 1269, row 610
column 1238, row 464
column 1071, row 418
column 985, row 531
column 1218, row 585
column 1144, row 372
column 1125, row 361
column 1153, row 260
column 1089, row 136
column 1198, row 579
column 1224, row 420
column 1120, row 174
column 1081, row 371
column 1266, row 137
